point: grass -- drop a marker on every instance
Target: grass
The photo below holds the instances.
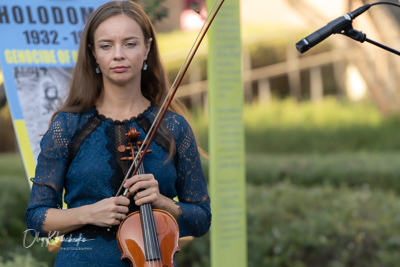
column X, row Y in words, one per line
column 328, row 127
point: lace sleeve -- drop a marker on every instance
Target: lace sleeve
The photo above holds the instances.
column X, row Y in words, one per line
column 194, row 201
column 48, row 183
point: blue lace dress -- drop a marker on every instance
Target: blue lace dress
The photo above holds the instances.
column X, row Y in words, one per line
column 79, row 158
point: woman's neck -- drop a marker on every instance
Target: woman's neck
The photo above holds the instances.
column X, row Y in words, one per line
column 120, row 103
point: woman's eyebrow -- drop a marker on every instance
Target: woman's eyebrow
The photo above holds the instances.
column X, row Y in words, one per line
column 125, row 39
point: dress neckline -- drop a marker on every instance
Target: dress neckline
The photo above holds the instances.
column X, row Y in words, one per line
column 133, row 118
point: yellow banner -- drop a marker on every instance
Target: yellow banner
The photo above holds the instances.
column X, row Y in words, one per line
column 226, row 139
column 25, row 148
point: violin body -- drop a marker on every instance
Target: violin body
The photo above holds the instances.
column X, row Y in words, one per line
column 131, row 241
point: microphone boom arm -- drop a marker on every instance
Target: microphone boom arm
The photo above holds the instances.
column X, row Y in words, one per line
column 362, row 37
column 343, row 25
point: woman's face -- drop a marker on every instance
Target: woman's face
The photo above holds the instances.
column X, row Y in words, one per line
column 120, row 49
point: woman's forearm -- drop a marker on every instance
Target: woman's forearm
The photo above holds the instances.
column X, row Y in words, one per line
column 105, row 213
column 62, row 221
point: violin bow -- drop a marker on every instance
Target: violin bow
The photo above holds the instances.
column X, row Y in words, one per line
column 171, row 93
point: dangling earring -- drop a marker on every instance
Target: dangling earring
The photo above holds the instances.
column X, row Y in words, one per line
column 98, row 71
column 144, row 65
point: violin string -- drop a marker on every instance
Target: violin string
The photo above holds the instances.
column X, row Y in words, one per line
column 152, row 240
column 153, row 232
column 146, row 233
column 150, row 247
column 145, row 225
column 171, row 91
column 156, row 243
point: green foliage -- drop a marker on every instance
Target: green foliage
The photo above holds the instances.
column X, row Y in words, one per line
column 14, row 197
column 21, row 261
column 7, row 137
column 323, row 184
column 330, row 126
column 317, row 226
column 327, row 127
column 263, row 53
column 322, row 226
column 154, row 9
column 374, row 170
column 11, row 165
column 196, row 253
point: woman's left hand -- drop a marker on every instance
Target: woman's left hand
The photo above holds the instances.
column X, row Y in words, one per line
column 144, row 187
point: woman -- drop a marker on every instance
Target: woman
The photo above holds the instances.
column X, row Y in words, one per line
column 118, row 82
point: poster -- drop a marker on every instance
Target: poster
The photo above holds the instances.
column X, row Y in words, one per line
column 38, row 49
column 226, row 139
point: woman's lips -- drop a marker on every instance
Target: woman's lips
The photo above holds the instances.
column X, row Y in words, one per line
column 120, row 68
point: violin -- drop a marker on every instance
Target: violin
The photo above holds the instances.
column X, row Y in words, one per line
column 147, row 237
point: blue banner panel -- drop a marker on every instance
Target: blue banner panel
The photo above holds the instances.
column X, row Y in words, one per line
column 38, row 49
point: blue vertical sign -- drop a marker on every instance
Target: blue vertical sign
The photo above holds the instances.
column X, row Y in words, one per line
column 38, row 49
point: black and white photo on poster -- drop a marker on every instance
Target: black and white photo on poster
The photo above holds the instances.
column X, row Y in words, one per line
column 40, row 91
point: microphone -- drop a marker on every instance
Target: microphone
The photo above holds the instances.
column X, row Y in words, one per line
column 336, row 26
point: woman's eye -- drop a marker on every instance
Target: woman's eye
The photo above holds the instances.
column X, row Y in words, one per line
column 105, row 46
column 130, row 44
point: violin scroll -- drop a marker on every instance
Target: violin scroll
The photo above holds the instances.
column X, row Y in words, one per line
column 132, row 135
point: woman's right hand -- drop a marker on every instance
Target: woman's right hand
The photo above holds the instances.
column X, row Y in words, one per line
column 108, row 212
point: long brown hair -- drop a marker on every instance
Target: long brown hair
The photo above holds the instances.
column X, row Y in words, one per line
column 86, row 85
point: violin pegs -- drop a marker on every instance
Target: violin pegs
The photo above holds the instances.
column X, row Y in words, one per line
column 148, row 151
column 139, row 143
column 123, row 148
column 127, row 158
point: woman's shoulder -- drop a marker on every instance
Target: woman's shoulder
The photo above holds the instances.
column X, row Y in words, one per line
column 73, row 116
column 68, row 122
column 177, row 121
column 171, row 119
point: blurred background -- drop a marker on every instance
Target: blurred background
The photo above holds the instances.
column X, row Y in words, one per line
column 322, row 136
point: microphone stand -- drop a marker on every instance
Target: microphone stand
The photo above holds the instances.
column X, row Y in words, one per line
column 343, row 25
column 362, row 37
